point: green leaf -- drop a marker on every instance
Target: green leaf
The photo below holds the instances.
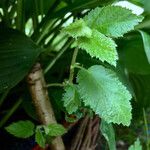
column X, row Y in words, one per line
column 146, row 5
column 78, row 29
column 112, row 21
column 71, row 99
column 133, row 57
column 136, row 146
column 101, row 89
column 17, row 55
column 109, row 134
column 54, row 130
column 146, row 42
column 79, row 5
column 21, row 129
column 99, row 46
column 40, row 138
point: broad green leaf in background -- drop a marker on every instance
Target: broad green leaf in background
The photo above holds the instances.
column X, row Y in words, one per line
column 146, row 5
column 99, row 46
column 71, row 99
column 109, row 134
column 6, row 3
column 39, row 137
column 138, row 2
column 78, row 29
column 136, row 146
column 133, row 57
column 54, row 130
column 21, row 129
column 101, row 89
column 78, row 6
column 17, row 55
column 41, row 6
column 112, row 21
column 146, row 42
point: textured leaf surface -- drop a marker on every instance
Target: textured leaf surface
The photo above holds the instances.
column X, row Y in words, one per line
column 146, row 42
column 17, row 55
column 71, row 99
column 21, row 129
column 101, row 89
column 40, row 138
column 109, row 134
column 112, row 21
column 136, row 146
column 77, row 29
column 54, row 130
column 99, row 46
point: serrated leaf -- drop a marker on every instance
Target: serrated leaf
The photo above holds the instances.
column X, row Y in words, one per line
column 99, row 46
column 102, row 91
column 17, row 55
column 40, row 138
column 71, row 99
column 136, row 146
column 21, row 129
column 78, row 29
column 112, row 21
column 54, row 130
column 146, row 43
column 109, row 134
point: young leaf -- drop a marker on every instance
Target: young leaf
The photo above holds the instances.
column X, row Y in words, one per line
column 146, row 42
column 78, row 29
column 101, row 89
column 136, row 146
column 99, row 46
column 109, row 134
column 40, row 138
column 17, row 55
column 112, row 21
column 21, row 129
column 54, row 130
column 71, row 99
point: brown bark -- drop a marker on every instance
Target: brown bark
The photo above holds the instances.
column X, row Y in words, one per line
column 87, row 134
column 42, row 103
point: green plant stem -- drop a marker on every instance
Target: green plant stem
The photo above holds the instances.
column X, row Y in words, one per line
column 68, row 43
column 54, row 29
column 5, row 15
column 64, row 38
column 12, row 12
column 55, row 85
column 73, row 61
column 39, row 36
column 1, row 16
column 51, row 40
column 10, row 112
column 45, row 21
column 3, row 97
column 146, row 129
column 20, row 15
column 41, row 8
column 35, row 14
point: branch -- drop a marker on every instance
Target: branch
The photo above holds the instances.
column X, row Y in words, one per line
column 42, row 103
